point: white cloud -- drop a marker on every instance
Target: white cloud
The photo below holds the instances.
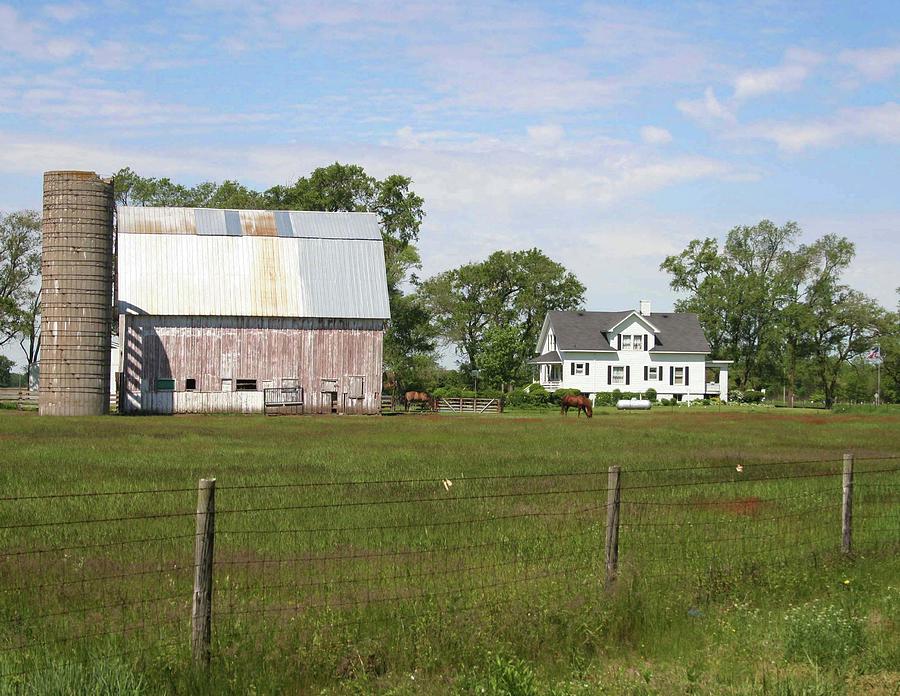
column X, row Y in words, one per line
column 708, row 110
column 654, row 135
column 788, row 76
column 871, row 123
column 29, row 40
column 546, row 135
column 873, row 63
column 65, row 12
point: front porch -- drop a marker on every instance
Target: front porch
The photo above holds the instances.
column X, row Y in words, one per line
column 718, row 388
column 548, row 372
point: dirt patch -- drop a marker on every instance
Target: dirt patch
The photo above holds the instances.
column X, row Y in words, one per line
column 741, row 507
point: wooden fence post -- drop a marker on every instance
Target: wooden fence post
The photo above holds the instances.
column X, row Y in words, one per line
column 847, row 506
column 613, row 497
column 201, row 613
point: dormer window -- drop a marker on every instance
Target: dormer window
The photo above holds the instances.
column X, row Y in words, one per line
column 632, row 342
column 551, row 341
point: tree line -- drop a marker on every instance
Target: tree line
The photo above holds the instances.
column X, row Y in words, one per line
column 776, row 307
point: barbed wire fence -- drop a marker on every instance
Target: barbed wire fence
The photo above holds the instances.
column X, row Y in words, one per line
column 207, row 574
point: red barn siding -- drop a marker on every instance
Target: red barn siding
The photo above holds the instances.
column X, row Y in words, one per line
column 210, row 349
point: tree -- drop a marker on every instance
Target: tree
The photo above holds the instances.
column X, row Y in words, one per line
column 509, row 288
column 20, row 262
column 737, row 291
column 6, row 366
column 499, row 356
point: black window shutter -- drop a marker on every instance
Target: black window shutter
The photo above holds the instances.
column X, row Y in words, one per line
column 645, row 341
column 573, row 368
column 660, row 375
column 619, row 342
column 587, row 369
column 609, row 374
column 671, row 376
column 628, row 374
column 686, row 373
column 646, row 370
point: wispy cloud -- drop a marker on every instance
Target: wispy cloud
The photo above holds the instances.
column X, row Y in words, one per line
column 873, row 123
column 789, row 76
column 873, row 63
column 30, row 39
column 708, row 110
column 653, row 135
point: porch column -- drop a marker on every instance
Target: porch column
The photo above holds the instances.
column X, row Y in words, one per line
column 723, row 383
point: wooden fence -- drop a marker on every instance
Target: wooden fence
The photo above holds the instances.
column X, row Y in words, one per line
column 470, row 405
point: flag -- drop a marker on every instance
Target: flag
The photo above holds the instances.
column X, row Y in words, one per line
column 873, row 357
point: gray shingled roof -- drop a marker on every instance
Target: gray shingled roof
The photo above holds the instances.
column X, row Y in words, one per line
column 550, row 357
column 678, row 332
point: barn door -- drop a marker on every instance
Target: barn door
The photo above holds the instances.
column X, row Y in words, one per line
column 329, row 396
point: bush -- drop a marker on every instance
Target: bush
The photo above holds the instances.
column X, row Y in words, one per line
column 823, row 634
column 603, row 399
column 751, row 396
column 650, row 394
column 616, row 395
column 537, row 395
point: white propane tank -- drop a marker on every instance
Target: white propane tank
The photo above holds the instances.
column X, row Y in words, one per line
column 633, row 405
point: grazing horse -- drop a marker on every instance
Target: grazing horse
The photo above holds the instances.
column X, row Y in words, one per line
column 414, row 397
column 582, row 403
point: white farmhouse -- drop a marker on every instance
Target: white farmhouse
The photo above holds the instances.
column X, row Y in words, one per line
column 629, row 350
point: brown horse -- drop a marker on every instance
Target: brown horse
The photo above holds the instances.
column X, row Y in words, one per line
column 582, row 403
column 414, row 397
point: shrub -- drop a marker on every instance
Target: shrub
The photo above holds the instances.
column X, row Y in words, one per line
column 705, row 402
column 616, row 395
column 751, row 396
column 823, row 634
column 650, row 394
column 537, row 395
column 603, row 399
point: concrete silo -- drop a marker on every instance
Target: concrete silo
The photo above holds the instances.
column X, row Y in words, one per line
column 77, row 267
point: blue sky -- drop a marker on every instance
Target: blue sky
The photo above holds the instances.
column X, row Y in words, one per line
column 606, row 134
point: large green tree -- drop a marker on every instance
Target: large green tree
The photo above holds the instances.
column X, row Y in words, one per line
column 509, row 288
column 737, row 290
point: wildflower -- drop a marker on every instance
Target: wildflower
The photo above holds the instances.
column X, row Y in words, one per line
column 847, row 582
column 739, row 468
column 447, row 484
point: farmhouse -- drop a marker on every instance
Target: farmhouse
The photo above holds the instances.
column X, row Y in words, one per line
column 227, row 310
column 629, row 350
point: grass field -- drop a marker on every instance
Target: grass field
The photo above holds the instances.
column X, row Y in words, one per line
column 436, row 554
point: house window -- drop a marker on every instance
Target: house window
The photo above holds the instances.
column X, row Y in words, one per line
column 190, row 384
column 626, row 342
column 653, row 373
column 551, row 342
column 555, row 372
column 637, row 342
column 678, row 378
column 618, row 374
column 165, row 384
column 581, row 368
column 245, row 385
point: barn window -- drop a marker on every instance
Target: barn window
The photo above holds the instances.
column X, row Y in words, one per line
column 289, row 382
column 190, row 384
column 618, row 374
column 226, row 384
column 245, row 385
column 165, row 384
column 356, row 387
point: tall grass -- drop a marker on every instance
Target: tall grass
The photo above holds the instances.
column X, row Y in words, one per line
column 369, row 554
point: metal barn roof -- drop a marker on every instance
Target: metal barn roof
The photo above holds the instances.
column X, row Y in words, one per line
column 204, row 262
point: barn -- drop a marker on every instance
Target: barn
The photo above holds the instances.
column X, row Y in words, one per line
column 249, row 310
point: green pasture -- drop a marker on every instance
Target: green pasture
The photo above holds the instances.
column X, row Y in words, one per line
column 453, row 554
